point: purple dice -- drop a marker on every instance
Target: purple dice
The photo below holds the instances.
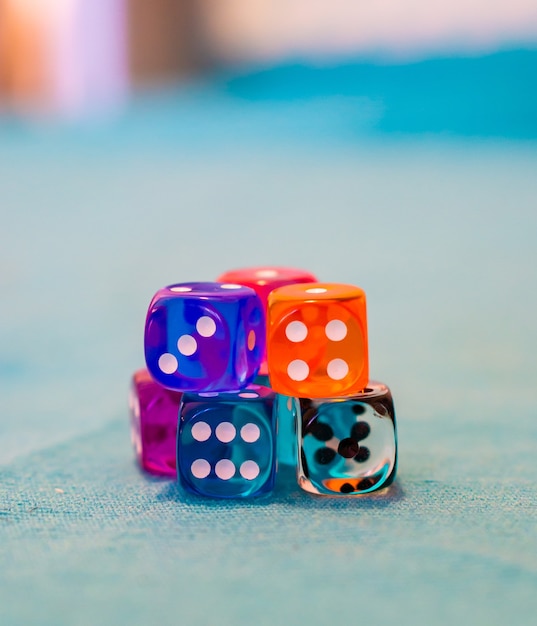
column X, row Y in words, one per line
column 204, row 336
column 154, row 413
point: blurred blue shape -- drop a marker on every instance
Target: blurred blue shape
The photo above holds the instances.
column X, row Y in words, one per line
column 493, row 96
column 488, row 96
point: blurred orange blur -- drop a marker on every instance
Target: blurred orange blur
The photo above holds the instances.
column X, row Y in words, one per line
column 22, row 55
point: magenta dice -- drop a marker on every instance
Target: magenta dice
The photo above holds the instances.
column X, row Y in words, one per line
column 204, row 336
column 154, row 413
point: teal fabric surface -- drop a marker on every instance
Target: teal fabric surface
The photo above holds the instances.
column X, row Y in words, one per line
column 435, row 221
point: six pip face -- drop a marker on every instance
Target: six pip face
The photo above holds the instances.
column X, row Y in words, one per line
column 226, row 446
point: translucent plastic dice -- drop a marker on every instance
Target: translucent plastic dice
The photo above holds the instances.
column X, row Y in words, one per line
column 210, row 410
column 317, row 340
column 154, row 414
column 347, row 446
column 265, row 279
column 226, row 446
column 204, row 336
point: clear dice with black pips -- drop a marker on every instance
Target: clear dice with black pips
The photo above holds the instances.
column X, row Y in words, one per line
column 347, row 446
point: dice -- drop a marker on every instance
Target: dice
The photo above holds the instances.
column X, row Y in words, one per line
column 317, row 340
column 347, row 446
column 204, row 336
column 310, row 405
column 154, row 413
column 263, row 280
column 226, row 444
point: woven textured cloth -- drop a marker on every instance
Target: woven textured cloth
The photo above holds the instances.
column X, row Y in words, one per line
column 357, row 185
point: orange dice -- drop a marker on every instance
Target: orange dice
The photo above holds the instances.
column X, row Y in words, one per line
column 317, row 340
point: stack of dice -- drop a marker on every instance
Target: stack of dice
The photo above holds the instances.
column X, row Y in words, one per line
column 264, row 366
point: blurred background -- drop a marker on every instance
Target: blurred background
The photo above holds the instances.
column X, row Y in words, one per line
column 391, row 145
column 72, row 56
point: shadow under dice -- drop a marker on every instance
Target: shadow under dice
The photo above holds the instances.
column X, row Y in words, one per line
column 226, row 447
column 348, row 446
column 204, row 336
column 154, row 414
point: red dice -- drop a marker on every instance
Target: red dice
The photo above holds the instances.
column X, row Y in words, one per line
column 263, row 280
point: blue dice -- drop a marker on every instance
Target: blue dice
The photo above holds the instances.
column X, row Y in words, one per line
column 204, row 336
column 226, row 443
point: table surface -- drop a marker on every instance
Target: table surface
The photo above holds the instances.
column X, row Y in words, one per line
column 417, row 182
